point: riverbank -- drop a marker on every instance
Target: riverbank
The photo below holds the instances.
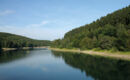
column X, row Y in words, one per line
column 23, row 48
column 117, row 55
column 10, row 49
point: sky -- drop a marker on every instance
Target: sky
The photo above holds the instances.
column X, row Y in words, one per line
column 51, row 19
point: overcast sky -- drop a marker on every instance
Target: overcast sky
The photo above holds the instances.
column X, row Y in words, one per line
column 51, row 19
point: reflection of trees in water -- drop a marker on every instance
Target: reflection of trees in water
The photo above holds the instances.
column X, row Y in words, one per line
column 99, row 68
column 8, row 56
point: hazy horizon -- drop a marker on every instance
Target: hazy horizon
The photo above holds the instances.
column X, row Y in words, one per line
column 51, row 19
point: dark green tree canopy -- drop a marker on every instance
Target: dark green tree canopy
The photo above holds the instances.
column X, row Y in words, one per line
column 8, row 40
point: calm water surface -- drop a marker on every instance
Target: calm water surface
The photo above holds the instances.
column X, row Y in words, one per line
column 51, row 65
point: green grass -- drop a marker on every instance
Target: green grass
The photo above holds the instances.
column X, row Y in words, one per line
column 113, row 51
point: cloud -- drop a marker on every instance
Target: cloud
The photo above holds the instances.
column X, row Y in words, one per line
column 44, row 22
column 6, row 12
column 38, row 25
column 35, row 31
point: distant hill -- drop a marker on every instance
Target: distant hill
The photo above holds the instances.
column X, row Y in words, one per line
column 8, row 40
column 111, row 32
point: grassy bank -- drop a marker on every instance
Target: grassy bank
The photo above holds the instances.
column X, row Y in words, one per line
column 8, row 49
column 104, row 53
column 24, row 48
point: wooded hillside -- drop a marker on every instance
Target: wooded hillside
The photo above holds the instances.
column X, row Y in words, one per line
column 111, row 32
column 8, row 40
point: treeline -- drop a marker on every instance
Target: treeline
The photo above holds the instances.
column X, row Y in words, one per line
column 8, row 40
column 111, row 32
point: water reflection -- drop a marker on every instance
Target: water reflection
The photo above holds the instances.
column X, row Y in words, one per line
column 98, row 67
column 36, row 65
column 8, row 56
column 51, row 65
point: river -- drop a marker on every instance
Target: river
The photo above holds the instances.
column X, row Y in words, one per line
column 40, row 64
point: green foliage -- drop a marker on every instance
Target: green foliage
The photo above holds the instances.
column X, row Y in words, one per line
column 88, row 41
column 106, row 42
column 15, row 41
column 56, row 43
column 96, row 49
column 109, row 32
column 114, row 49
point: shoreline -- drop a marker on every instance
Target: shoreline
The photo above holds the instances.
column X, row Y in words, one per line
column 11, row 49
column 116, row 55
column 23, row 48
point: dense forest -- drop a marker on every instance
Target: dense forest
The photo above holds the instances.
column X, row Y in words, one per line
column 111, row 32
column 8, row 40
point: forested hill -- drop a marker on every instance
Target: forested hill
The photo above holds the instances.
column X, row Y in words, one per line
column 8, row 40
column 108, row 32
